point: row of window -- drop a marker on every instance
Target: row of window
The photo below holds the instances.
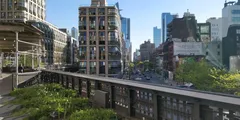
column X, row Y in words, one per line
column 144, row 95
column 144, row 109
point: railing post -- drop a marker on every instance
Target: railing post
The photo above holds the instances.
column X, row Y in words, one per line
column 131, row 98
column 196, row 111
column 58, row 78
column 80, row 87
column 88, row 89
column 67, row 82
column 62, row 80
column 231, row 116
column 73, row 83
column 97, row 85
column 112, row 93
column 155, row 106
column 220, row 111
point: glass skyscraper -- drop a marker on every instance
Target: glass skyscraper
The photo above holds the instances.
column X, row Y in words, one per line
column 126, row 30
column 157, row 36
column 166, row 19
column 74, row 32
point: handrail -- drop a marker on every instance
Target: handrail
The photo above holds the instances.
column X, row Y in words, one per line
column 220, row 97
column 29, row 73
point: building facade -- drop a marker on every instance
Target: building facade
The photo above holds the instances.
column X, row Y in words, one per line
column 204, row 31
column 157, row 36
column 166, row 19
column 216, row 28
column 100, row 41
column 22, row 10
column 53, row 45
column 74, row 33
column 72, row 48
column 213, row 53
column 136, row 56
column 146, row 50
column 183, row 29
column 230, row 15
column 126, row 27
column 231, row 44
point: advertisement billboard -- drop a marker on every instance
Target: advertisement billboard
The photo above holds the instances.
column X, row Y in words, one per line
column 188, row 48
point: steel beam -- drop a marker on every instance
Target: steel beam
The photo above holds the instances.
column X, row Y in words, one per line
column 16, row 59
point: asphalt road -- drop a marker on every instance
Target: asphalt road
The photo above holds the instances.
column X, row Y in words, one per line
column 154, row 77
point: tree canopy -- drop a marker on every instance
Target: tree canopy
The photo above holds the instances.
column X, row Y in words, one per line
column 205, row 77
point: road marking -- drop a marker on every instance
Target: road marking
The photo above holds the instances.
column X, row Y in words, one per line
column 1, row 118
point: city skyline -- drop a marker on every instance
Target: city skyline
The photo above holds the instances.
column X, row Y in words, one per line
column 139, row 31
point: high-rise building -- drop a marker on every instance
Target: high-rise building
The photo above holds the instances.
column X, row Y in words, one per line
column 146, row 50
column 216, row 28
column 53, row 44
column 126, row 28
column 74, row 32
column 183, row 29
column 22, row 10
column 231, row 44
column 166, row 19
column 230, row 16
column 126, row 36
column 157, row 36
column 100, row 41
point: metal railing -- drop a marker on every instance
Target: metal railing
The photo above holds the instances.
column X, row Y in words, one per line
column 153, row 102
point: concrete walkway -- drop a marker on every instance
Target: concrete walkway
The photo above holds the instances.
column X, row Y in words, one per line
column 6, row 109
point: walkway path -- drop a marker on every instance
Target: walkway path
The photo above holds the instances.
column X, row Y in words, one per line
column 6, row 109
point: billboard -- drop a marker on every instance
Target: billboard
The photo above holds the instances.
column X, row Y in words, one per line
column 188, row 48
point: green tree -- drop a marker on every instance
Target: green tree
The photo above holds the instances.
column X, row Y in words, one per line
column 205, row 77
column 130, row 70
column 196, row 73
column 94, row 114
column 225, row 82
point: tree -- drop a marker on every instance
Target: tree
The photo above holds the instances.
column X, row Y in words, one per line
column 195, row 73
column 130, row 70
column 225, row 82
column 94, row 114
column 205, row 77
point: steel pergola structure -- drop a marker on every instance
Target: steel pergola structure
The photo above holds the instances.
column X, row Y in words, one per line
column 20, row 38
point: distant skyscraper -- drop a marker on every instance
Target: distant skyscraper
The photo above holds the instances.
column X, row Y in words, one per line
column 126, row 30
column 166, row 19
column 157, row 36
column 74, row 32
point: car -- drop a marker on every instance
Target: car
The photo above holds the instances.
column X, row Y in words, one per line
column 138, row 78
column 148, row 78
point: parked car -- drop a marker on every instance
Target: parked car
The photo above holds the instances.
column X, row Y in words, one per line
column 138, row 78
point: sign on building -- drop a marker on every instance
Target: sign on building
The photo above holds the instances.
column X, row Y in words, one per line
column 188, row 48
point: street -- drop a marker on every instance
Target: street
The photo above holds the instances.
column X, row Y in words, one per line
column 149, row 77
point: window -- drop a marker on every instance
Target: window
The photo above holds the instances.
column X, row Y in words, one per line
column 206, row 53
column 235, row 11
column 235, row 19
column 238, row 31
column 218, row 53
column 218, row 46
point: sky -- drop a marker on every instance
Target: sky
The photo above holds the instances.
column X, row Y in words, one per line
column 144, row 14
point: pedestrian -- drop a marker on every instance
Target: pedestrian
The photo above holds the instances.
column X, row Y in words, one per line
column 21, row 68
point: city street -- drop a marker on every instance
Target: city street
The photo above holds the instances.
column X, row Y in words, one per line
column 149, row 77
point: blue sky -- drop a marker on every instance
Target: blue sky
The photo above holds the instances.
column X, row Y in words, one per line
column 144, row 14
